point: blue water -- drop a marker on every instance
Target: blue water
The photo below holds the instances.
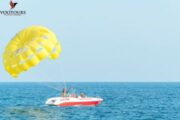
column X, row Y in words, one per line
column 122, row 101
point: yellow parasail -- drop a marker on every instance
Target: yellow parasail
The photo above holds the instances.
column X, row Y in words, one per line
column 28, row 47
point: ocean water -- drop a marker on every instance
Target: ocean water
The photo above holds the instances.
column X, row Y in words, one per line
column 122, row 101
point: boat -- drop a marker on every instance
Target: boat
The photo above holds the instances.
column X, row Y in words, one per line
column 73, row 101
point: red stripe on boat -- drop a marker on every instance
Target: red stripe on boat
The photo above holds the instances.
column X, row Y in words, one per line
column 88, row 103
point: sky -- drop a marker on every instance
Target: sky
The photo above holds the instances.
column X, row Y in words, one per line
column 102, row 40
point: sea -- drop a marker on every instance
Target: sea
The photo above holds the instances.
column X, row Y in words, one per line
column 121, row 101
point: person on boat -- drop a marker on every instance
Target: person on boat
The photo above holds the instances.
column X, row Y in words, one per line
column 73, row 95
column 64, row 93
column 82, row 95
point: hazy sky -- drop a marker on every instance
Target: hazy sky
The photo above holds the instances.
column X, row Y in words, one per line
column 102, row 40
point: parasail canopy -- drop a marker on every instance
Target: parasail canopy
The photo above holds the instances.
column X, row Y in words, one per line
column 28, row 48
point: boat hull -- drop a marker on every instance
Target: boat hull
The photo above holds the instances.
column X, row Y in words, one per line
column 62, row 101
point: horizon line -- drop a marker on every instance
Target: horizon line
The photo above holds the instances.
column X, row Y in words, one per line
column 90, row 82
